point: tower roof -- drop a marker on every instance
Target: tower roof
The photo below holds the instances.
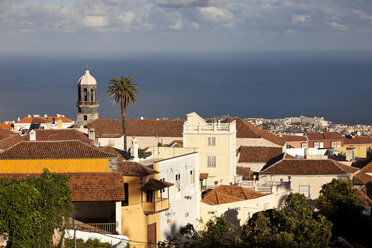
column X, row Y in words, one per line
column 87, row 79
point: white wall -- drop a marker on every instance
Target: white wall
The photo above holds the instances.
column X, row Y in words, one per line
column 184, row 205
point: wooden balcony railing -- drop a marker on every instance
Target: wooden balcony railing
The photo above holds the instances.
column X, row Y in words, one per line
column 156, row 206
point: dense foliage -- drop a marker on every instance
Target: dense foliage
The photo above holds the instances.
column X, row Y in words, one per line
column 296, row 225
column 32, row 208
column 342, row 205
column 90, row 243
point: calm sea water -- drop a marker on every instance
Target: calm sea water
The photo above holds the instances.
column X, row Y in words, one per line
column 336, row 85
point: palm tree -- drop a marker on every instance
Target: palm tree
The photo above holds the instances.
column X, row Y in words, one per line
column 123, row 91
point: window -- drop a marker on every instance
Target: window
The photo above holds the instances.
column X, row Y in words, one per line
column 163, row 180
column 338, row 143
column 85, row 93
column 333, row 144
column 85, row 117
column 211, row 141
column 150, row 196
column 303, row 145
column 111, row 142
column 305, row 190
column 126, row 194
column 92, row 95
column 192, row 177
column 316, row 144
column 212, row 161
column 178, row 182
column 321, row 145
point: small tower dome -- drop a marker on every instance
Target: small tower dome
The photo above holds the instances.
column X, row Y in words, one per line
column 87, row 79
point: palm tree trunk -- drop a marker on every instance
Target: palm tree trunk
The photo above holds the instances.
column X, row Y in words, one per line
column 124, row 123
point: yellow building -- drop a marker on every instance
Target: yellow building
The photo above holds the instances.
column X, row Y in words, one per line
column 361, row 145
column 57, row 157
column 216, row 144
column 146, row 197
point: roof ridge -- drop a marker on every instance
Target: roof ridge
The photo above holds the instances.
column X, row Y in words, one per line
column 335, row 163
column 21, row 141
column 276, row 163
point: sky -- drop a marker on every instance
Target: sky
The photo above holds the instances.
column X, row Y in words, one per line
column 184, row 25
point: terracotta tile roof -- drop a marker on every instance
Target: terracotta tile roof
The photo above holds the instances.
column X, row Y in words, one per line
column 314, row 136
column 332, row 135
column 7, row 126
column 287, row 137
column 227, row 194
column 53, row 150
column 112, row 128
column 9, row 142
column 361, row 178
column 42, row 119
column 347, row 168
column 113, row 151
column 203, row 176
column 5, row 133
column 276, row 159
column 129, row 168
column 367, row 168
column 358, row 140
column 89, row 186
column 287, row 156
column 154, row 184
column 176, row 143
column 247, row 130
column 305, row 167
column 245, row 172
column 258, row 153
column 59, row 134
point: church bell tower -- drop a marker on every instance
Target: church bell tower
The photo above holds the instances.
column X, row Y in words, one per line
column 87, row 103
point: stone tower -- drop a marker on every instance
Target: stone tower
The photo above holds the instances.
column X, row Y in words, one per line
column 87, row 103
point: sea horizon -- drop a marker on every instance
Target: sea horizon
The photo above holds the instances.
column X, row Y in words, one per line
column 260, row 84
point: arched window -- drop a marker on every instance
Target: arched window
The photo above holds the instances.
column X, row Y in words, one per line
column 85, row 93
column 92, row 95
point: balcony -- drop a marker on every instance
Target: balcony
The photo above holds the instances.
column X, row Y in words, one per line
column 154, row 204
column 160, row 204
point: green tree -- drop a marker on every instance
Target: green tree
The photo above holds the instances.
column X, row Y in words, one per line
column 124, row 92
column 341, row 203
column 296, row 225
column 31, row 209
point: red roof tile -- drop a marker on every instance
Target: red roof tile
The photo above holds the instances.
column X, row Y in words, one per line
column 287, row 137
column 332, row 135
column 9, row 142
column 53, row 150
column 358, row 140
column 314, row 136
column 361, row 178
column 89, row 186
column 7, row 126
column 247, row 130
column 129, row 168
column 42, row 119
column 367, row 168
column 5, row 133
column 245, row 172
column 305, row 167
column 110, row 128
column 59, row 134
column 227, row 194
column 258, row 153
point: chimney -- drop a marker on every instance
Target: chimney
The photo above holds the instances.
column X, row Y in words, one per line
column 134, row 150
column 92, row 134
column 45, row 115
column 29, row 116
column 32, row 135
column 18, row 119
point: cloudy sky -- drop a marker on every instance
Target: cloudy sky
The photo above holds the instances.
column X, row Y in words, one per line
column 184, row 25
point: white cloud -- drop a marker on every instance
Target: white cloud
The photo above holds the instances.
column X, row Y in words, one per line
column 337, row 26
column 216, row 14
column 366, row 17
column 127, row 17
column 300, row 18
column 177, row 26
column 94, row 21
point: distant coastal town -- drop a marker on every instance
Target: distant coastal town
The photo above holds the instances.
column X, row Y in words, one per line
column 192, row 182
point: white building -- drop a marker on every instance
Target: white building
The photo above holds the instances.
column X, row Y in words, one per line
column 184, row 197
column 43, row 122
column 216, row 143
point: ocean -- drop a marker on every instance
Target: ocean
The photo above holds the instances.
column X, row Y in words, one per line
column 335, row 85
